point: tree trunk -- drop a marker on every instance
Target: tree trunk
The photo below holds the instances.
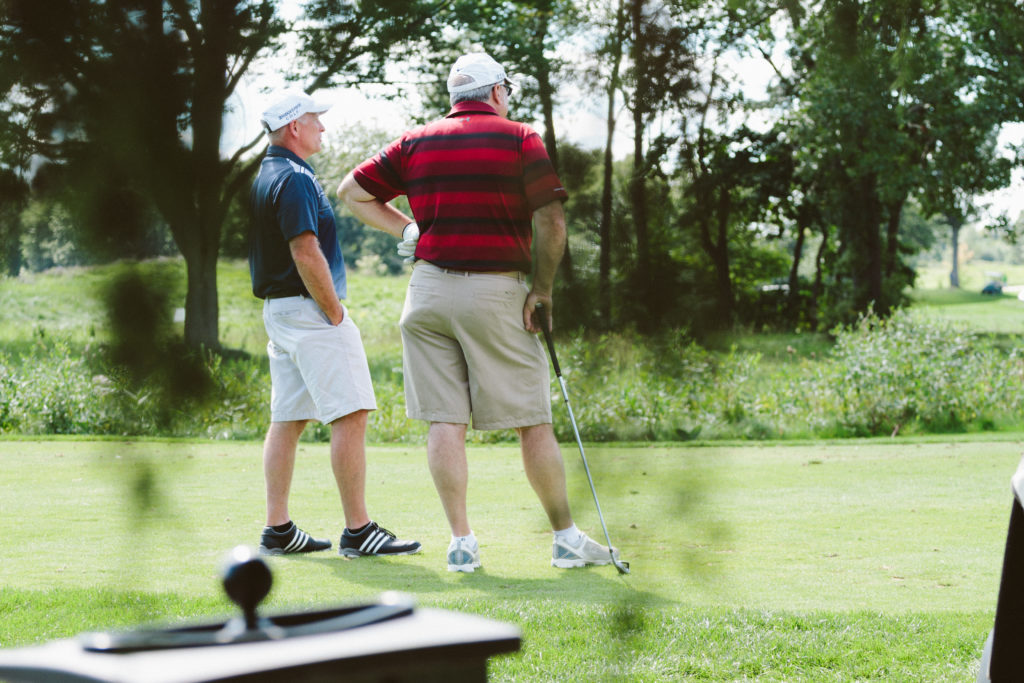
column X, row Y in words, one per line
column 211, row 91
column 721, row 257
column 861, row 235
column 638, row 197
column 637, row 186
column 10, row 237
column 605, row 229
column 716, row 246
column 793, row 295
column 201, row 307
column 955, row 223
column 604, row 286
column 892, row 238
column 818, row 288
column 547, row 106
column 873, row 242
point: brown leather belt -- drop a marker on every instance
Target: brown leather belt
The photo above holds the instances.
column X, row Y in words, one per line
column 518, row 275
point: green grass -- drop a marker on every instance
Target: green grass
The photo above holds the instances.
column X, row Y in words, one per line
column 933, row 298
column 871, row 560
column 868, row 560
column 60, row 302
column 974, row 274
column 997, row 314
column 67, row 302
column 374, row 302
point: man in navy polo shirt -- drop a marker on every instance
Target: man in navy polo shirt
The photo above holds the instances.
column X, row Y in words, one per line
column 484, row 194
column 318, row 368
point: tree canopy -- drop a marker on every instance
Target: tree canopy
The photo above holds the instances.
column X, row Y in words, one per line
column 787, row 209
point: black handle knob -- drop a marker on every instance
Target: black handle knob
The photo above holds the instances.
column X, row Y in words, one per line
column 247, row 580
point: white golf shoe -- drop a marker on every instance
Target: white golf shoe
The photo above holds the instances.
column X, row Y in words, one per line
column 463, row 556
column 586, row 552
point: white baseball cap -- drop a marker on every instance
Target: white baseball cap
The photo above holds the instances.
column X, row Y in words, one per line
column 475, row 70
column 288, row 105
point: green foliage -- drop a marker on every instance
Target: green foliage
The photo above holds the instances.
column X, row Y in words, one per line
column 934, row 376
column 58, row 388
column 851, row 133
column 623, row 391
column 920, row 372
column 881, row 378
column 47, row 237
column 868, row 137
column 53, row 392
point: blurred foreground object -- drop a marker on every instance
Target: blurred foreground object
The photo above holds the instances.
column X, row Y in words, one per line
column 1001, row 660
column 388, row 640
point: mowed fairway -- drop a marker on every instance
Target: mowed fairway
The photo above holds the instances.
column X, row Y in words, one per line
column 859, row 560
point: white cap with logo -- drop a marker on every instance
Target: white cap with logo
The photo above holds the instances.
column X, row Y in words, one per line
column 288, row 105
column 475, row 70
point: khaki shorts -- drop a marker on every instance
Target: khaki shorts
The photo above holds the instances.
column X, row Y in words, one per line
column 318, row 371
column 466, row 353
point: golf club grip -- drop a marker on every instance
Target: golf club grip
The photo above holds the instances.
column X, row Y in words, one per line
column 547, row 338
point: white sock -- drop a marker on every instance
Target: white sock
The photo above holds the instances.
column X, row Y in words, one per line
column 572, row 535
column 468, row 540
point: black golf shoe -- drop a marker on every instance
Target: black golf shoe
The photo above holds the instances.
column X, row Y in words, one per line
column 295, row 540
column 374, row 540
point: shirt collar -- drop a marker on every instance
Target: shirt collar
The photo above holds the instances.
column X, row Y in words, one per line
column 278, row 151
column 471, row 107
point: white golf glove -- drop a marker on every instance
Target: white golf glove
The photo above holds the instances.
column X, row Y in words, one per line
column 407, row 247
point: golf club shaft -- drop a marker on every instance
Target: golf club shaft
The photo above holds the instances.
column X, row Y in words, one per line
column 576, row 432
column 583, row 457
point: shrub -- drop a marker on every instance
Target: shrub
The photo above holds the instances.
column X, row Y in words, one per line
column 622, row 390
column 57, row 389
column 881, row 377
column 238, row 406
column 54, row 391
column 886, row 374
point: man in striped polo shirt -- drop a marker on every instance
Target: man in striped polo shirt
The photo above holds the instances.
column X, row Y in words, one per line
column 481, row 188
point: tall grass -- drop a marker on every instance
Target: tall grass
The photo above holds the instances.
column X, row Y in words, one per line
column 918, row 372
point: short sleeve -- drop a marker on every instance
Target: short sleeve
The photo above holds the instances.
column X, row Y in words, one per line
column 381, row 175
column 540, row 181
column 297, row 206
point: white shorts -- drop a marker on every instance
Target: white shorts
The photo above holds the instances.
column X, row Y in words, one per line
column 318, row 371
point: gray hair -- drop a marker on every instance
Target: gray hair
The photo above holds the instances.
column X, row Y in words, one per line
column 481, row 94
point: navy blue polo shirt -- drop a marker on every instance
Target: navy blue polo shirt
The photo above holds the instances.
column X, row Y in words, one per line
column 286, row 201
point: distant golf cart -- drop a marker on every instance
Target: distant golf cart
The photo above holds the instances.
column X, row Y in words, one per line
column 996, row 282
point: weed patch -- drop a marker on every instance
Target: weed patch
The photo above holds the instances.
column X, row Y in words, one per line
column 910, row 374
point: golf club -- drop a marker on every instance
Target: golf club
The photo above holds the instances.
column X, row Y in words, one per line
column 623, row 567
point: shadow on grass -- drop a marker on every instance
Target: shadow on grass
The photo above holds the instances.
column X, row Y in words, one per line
column 593, row 585
column 32, row 616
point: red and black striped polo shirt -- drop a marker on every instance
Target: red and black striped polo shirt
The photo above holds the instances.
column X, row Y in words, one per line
column 473, row 180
